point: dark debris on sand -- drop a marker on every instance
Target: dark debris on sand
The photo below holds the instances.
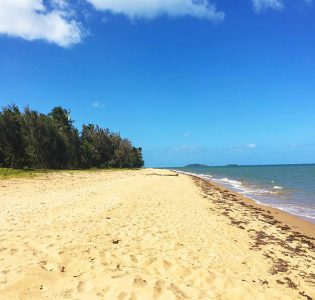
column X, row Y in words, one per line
column 293, row 244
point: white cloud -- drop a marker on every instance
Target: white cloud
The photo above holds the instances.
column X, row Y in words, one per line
column 32, row 20
column 98, row 104
column 149, row 9
column 251, row 146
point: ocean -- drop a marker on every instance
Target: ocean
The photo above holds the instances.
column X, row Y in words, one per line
column 290, row 188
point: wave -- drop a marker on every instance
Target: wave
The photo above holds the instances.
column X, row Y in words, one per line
column 301, row 211
column 277, row 187
column 234, row 184
column 242, row 188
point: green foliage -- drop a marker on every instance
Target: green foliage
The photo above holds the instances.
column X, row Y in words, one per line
column 12, row 142
column 33, row 140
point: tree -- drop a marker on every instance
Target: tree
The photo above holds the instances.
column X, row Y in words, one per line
column 137, row 158
column 61, row 118
column 46, row 146
column 12, row 142
column 37, row 140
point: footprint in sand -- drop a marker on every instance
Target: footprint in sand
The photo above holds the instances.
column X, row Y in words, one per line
column 177, row 291
column 122, row 296
column 127, row 296
column 67, row 293
column 166, row 264
column 13, row 251
column 158, row 288
column 50, row 246
column 49, row 266
column 139, row 282
column 133, row 258
column 84, row 286
column 150, row 261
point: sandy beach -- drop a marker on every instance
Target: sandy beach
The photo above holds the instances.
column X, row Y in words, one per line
column 147, row 234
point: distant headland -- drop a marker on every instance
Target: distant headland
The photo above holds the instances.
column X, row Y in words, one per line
column 196, row 165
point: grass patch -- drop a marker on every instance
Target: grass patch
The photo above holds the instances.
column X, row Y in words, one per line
column 7, row 173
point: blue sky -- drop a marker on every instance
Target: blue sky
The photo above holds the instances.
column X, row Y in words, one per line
column 211, row 82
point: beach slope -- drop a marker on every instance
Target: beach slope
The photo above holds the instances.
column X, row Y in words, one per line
column 146, row 234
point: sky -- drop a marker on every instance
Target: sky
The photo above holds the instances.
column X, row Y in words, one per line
column 189, row 81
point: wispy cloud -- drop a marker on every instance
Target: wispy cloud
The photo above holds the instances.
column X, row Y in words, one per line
column 261, row 5
column 60, row 3
column 240, row 148
column 300, row 146
column 187, row 134
column 150, row 9
column 98, row 104
column 186, row 148
column 178, row 150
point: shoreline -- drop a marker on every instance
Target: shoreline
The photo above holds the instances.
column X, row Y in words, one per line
column 298, row 223
column 303, row 224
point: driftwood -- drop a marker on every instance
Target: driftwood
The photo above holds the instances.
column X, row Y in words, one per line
column 156, row 174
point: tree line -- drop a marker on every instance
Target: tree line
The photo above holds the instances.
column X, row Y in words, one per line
column 33, row 140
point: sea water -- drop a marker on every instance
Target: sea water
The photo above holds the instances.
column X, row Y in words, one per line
column 290, row 188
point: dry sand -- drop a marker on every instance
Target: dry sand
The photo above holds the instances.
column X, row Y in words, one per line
column 145, row 235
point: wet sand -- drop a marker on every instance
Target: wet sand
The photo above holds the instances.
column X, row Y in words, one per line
column 147, row 234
